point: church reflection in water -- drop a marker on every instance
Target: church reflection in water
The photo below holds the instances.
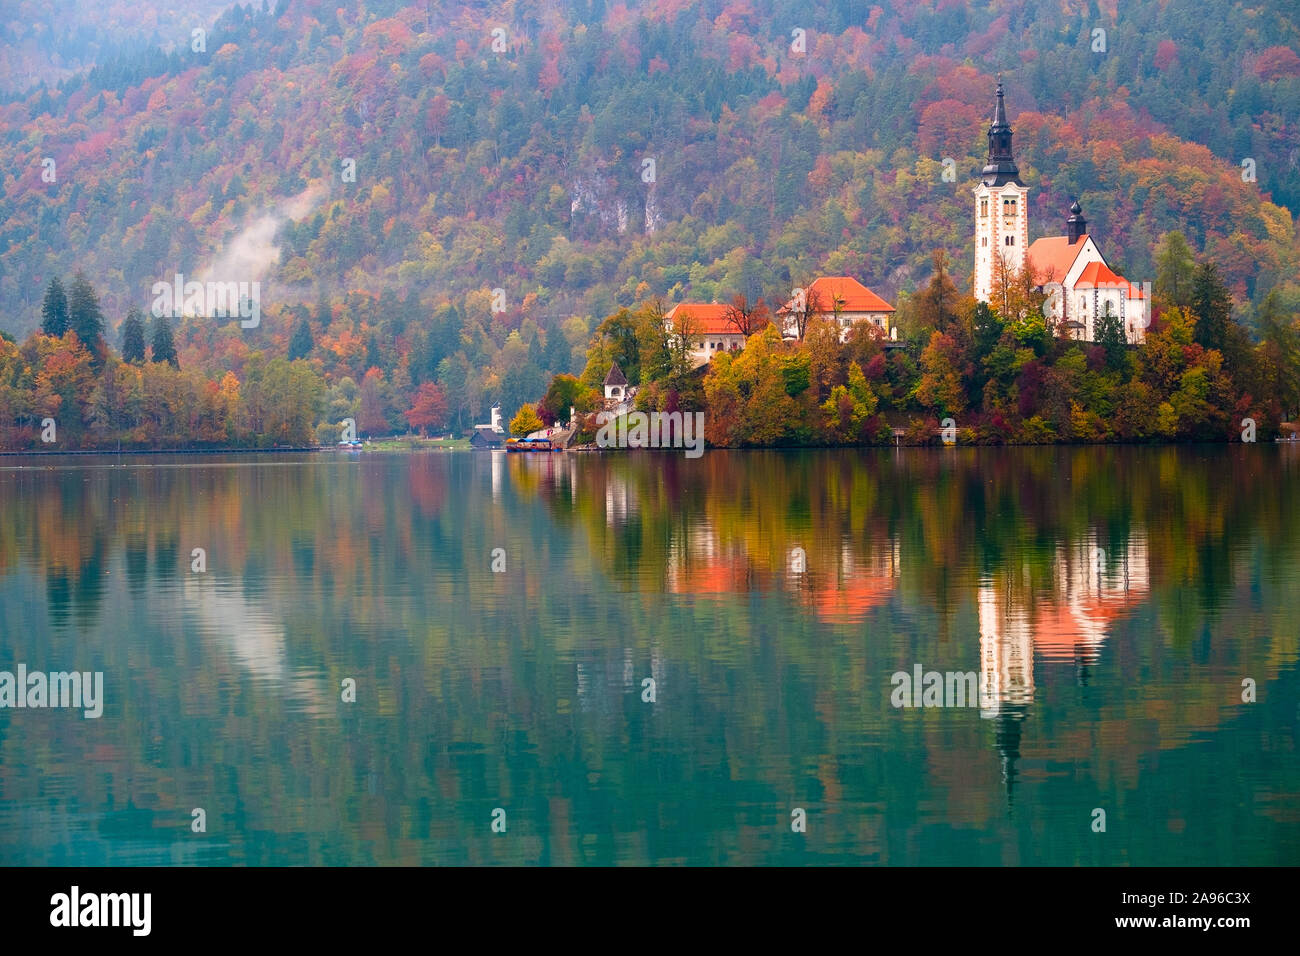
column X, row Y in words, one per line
column 1067, row 622
column 1055, row 607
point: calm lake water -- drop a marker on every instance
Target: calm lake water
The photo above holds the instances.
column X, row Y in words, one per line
column 1109, row 603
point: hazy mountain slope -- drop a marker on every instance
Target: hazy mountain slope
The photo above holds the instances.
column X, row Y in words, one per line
column 525, row 170
column 50, row 40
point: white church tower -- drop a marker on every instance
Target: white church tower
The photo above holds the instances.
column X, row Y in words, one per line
column 1001, row 208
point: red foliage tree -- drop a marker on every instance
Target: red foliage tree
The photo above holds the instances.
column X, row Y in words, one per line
column 429, row 410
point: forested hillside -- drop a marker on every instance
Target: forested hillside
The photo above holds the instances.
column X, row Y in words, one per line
column 583, row 157
column 50, row 40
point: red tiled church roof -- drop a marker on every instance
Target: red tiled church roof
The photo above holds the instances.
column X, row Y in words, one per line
column 1096, row 275
column 1052, row 256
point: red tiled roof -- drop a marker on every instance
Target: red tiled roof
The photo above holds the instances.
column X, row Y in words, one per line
column 1097, row 276
column 847, row 293
column 706, row 318
column 1052, row 256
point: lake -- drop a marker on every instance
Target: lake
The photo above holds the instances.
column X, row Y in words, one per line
column 648, row 659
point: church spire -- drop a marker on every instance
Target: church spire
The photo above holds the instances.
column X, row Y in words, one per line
column 1001, row 167
column 1076, row 227
column 1000, row 110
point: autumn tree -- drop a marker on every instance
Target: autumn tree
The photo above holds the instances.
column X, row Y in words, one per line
column 745, row 317
column 806, row 304
column 748, row 402
column 373, row 418
column 565, row 392
column 1020, row 292
column 1001, row 285
column 62, row 384
column 680, row 340
column 616, row 339
column 850, row 406
column 429, row 410
column 937, row 303
column 106, row 405
column 942, row 365
column 526, row 421
column 822, row 345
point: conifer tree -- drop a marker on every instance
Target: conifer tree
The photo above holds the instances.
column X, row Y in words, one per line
column 85, row 317
column 54, row 310
column 1110, row 336
column 300, row 343
column 164, row 348
column 1174, row 270
column 133, row 337
column 1211, row 302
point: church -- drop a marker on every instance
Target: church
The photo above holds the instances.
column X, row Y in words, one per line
column 1081, row 288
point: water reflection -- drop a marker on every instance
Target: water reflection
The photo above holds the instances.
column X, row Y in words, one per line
column 1108, row 601
column 253, row 637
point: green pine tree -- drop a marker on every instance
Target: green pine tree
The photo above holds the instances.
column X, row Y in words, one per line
column 373, row 357
column 1110, row 336
column 300, row 343
column 164, row 347
column 133, row 337
column 324, row 312
column 85, row 317
column 1174, row 270
column 1211, row 303
column 54, row 310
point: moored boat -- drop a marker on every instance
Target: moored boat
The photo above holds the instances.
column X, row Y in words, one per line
column 531, row 444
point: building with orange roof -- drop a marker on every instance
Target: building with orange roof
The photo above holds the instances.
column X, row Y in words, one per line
column 842, row 300
column 708, row 329
column 1080, row 285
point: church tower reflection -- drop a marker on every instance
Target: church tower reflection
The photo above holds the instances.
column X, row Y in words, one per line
column 1067, row 621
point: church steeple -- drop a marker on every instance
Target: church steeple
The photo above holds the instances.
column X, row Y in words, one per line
column 1001, row 208
column 1076, row 227
column 1001, row 167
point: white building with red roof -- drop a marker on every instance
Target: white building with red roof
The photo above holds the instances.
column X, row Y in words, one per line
column 708, row 328
column 841, row 300
column 1080, row 285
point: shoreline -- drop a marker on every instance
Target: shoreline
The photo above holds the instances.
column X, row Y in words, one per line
column 589, row 449
column 161, row 451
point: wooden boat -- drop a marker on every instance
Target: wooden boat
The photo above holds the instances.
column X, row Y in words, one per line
column 531, row 444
